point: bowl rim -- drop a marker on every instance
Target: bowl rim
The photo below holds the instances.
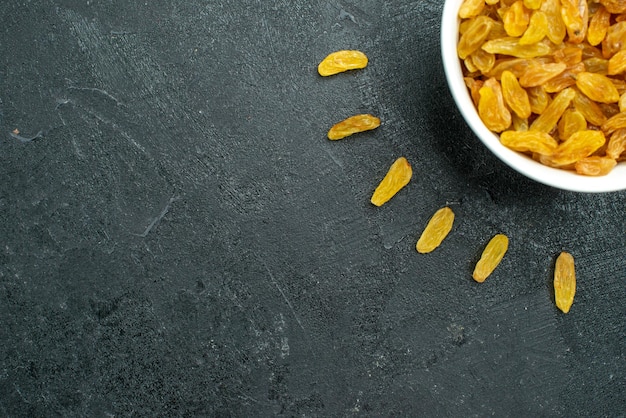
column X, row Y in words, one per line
column 554, row 177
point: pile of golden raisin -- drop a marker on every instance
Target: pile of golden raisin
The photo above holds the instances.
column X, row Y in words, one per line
column 440, row 224
column 548, row 76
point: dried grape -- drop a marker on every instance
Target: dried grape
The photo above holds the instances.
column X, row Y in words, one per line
column 614, row 6
column 579, row 145
column 590, row 110
column 617, row 63
column 352, row 125
column 537, row 28
column 341, row 61
column 614, row 39
column 595, row 166
column 474, row 36
column 616, row 146
column 575, row 15
column 572, row 121
column 491, row 107
column 614, row 123
column 621, row 104
column 569, row 55
column 539, row 99
column 482, row 60
column 516, row 19
column 597, row 87
column 556, row 28
column 471, row 8
column 511, row 46
column 564, row 281
column 564, row 80
column 552, row 113
column 397, row 177
column 533, row 4
column 491, row 257
column 537, row 75
column 436, row 230
column 529, row 141
column 598, row 26
column 514, row 95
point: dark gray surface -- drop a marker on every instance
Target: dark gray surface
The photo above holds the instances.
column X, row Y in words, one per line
column 181, row 239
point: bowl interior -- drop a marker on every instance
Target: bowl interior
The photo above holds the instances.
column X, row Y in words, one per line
column 563, row 179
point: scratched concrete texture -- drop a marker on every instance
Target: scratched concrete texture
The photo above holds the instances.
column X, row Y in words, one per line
column 179, row 238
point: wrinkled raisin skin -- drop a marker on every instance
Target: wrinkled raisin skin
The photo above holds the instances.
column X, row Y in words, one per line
column 353, row 125
column 564, row 281
column 398, row 176
column 437, row 229
column 341, row 61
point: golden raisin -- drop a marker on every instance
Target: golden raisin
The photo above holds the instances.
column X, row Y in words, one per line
column 515, row 65
column 516, row 19
column 352, row 125
column 564, row 80
column 519, row 124
column 491, row 107
column 617, row 144
column 614, row 6
column 575, row 15
column 621, row 104
column 529, row 141
column 590, row 110
column 569, row 55
column 579, row 145
column 552, row 113
column 556, row 28
column 511, row 46
column 436, row 230
column 469, row 64
column 620, row 84
column 614, row 39
column 598, row 26
column 595, row 166
column 572, row 121
column 564, row 281
column 614, row 123
column 471, row 8
column 482, row 60
column 397, row 177
column 532, row 4
column 617, row 63
column 537, row 28
column 514, row 95
column 477, row 31
column 538, row 99
column 596, row 65
column 341, row 61
column 474, row 87
column 597, row 87
column 491, row 257
column 537, row 75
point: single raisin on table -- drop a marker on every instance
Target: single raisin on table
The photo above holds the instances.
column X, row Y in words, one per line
column 353, row 125
column 341, row 61
column 397, row 177
column 436, row 230
column 564, row 281
column 491, row 257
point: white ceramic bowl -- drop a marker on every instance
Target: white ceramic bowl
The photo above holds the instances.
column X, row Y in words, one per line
column 562, row 179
